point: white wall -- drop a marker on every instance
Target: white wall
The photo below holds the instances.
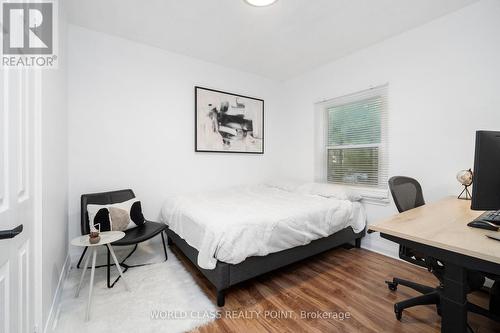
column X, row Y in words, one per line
column 131, row 123
column 131, row 109
column 54, row 172
column 444, row 83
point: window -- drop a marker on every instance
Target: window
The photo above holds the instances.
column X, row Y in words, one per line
column 356, row 139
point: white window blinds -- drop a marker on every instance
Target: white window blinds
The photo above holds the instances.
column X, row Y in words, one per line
column 356, row 142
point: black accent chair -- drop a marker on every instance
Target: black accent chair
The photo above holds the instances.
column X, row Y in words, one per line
column 132, row 236
column 407, row 194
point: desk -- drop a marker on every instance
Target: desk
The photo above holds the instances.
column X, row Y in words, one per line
column 440, row 230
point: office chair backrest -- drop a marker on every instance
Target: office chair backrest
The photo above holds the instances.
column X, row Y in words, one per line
column 406, row 192
column 104, row 198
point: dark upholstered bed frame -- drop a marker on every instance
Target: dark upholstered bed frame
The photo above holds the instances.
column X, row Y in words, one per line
column 225, row 275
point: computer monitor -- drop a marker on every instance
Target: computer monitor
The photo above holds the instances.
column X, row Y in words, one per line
column 486, row 186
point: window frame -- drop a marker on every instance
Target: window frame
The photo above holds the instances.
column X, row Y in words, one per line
column 377, row 194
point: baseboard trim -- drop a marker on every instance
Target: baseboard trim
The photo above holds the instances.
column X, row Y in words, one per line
column 382, row 252
column 51, row 319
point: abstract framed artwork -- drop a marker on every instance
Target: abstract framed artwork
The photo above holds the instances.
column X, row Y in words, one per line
column 228, row 123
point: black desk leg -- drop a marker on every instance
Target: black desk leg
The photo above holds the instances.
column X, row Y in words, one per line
column 454, row 300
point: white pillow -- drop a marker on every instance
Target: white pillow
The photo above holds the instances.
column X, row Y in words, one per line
column 288, row 185
column 329, row 191
column 119, row 216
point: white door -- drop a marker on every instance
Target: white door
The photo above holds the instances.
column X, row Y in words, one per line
column 17, row 104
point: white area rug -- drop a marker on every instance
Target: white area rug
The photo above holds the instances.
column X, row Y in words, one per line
column 164, row 289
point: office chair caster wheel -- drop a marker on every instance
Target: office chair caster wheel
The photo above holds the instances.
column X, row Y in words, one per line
column 399, row 313
column 392, row 285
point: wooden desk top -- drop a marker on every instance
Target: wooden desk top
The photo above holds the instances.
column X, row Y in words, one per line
column 443, row 224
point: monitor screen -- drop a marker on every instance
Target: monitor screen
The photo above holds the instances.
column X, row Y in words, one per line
column 486, row 186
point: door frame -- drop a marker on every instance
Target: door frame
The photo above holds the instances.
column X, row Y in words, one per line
column 38, row 195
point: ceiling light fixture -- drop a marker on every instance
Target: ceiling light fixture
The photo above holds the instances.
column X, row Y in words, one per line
column 260, row 3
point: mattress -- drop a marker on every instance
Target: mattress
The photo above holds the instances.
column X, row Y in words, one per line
column 233, row 224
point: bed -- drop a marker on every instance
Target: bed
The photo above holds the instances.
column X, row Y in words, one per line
column 238, row 233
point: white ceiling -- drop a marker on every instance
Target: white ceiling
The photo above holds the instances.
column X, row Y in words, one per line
column 279, row 41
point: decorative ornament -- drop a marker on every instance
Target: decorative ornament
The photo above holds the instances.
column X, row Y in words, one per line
column 94, row 237
column 465, row 177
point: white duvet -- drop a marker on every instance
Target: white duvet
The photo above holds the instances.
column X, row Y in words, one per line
column 236, row 223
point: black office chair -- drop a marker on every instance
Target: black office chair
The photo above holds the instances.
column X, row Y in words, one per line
column 133, row 236
column 407, row 194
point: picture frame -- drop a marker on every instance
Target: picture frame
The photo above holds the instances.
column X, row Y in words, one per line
column 227, row 122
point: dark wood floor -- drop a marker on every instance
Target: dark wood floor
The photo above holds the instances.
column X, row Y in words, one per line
column 337, row 281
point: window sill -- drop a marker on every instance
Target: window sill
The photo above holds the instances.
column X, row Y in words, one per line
column 375, row 196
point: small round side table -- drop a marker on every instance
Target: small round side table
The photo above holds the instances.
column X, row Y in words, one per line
column 107, row 237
